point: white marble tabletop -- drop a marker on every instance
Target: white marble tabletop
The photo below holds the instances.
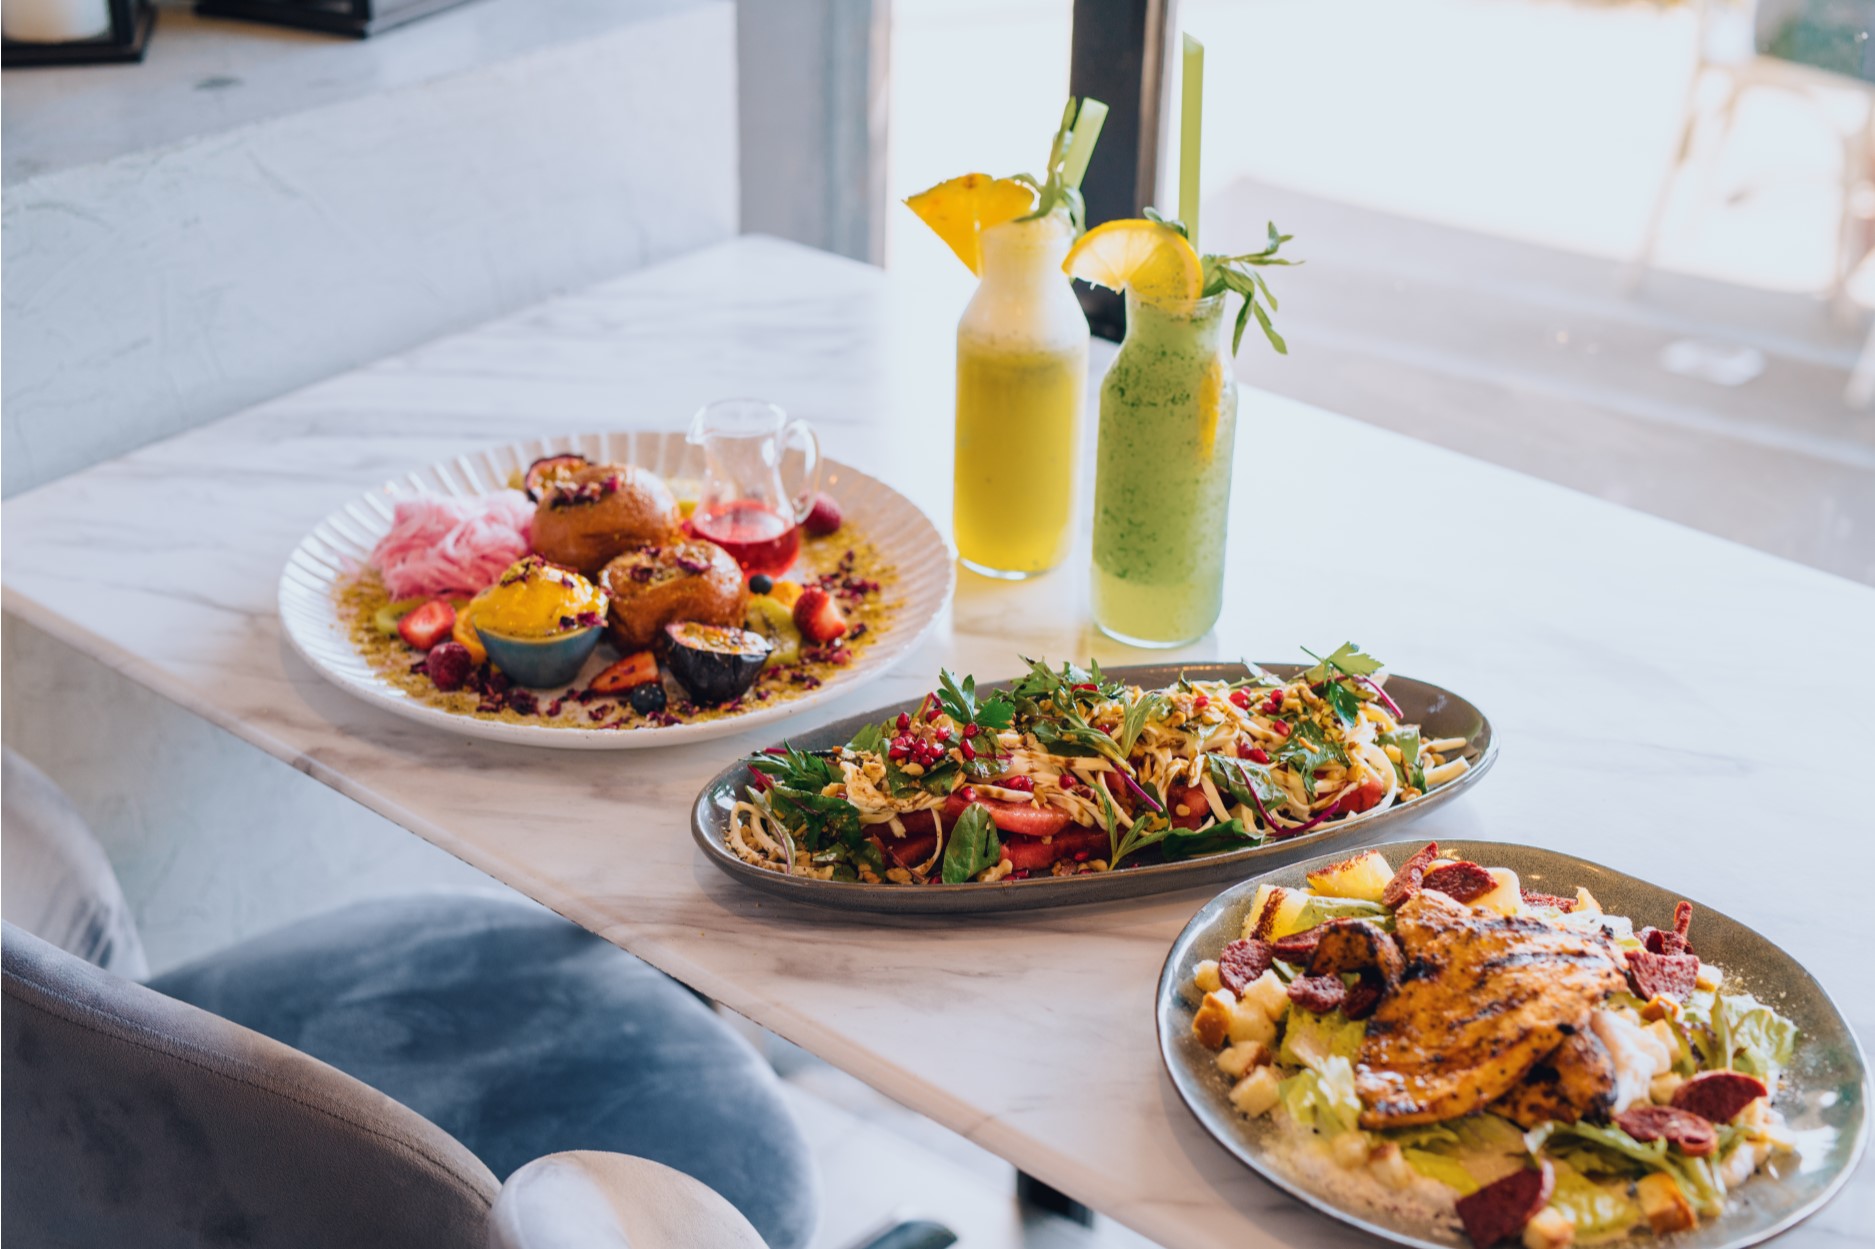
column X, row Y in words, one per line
column 1684, row 709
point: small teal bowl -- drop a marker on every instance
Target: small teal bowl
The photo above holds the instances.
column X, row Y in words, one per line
column 539, row 663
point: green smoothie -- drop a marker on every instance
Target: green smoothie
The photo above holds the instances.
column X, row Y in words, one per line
column 1168, row 417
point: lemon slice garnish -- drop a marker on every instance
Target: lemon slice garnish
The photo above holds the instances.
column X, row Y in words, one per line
column 1153, row 261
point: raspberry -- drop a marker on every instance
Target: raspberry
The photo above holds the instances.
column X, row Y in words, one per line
column 449, row 665
column 823, row 518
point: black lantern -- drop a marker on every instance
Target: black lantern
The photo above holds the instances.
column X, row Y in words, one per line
column 339, row 17
column 51, row 32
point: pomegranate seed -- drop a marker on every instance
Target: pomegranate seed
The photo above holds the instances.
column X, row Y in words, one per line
column 943, row 735
column 933, row 714
column 1255, row 754
column 1068, row 780
column 904, row 721
column 1200, row 703
column 1085, row 685
column 1281, row 727
column 1241, row 698
column 969, row 753
column 971, row 730
column 968, row 793
column 1277, row 697
column 1020, row 783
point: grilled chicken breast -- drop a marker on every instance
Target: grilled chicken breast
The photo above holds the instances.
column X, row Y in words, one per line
column 1575, row 1082
column 1481, row 999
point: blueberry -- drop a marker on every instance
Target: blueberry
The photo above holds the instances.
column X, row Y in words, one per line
column 646, row 698
column 761, row 583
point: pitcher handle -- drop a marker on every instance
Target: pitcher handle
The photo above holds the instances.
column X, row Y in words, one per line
column 799, row 432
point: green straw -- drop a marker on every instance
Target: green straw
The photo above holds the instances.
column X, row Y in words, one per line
column 1087, row 124
column 1191, row 125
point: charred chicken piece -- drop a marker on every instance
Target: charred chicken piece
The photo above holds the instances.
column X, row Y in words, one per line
column 1482, row 997
column 1356, row 945
column 1576, row 1081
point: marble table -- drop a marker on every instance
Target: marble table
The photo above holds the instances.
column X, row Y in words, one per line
column 1685, row 709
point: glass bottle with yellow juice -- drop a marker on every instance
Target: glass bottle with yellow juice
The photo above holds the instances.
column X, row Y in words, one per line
column 1021, row 380
column 1021, row 353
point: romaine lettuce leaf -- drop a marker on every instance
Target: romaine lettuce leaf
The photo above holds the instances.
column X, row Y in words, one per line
column 1597, row 1210
column 1761, row 1042
column 1319, row 910
column 1695, row 1175
column 1323, row 1099
column 1447, row 1170
column 1310, row 1040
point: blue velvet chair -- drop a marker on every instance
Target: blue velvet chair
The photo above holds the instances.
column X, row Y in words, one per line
column 364, row 1077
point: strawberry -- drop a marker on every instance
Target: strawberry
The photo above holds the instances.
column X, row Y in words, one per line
column 817, row 616
column 428, row 624
column 823, row 518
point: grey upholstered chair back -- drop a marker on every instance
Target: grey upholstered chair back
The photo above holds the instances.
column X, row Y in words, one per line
column 58, row 884
column 133, row 1119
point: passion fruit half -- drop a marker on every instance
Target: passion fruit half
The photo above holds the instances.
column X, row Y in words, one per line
column 714, row 662
column 547, row 468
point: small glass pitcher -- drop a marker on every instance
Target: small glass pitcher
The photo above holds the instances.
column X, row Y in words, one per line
column 745, row 507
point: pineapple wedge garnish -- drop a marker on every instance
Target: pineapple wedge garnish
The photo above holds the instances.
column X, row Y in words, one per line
column 1364, row 876
column 958, row 211
column 1274, row 912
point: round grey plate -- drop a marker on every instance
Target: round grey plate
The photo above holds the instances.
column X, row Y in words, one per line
column 1438, row 712
column 1824, row 1097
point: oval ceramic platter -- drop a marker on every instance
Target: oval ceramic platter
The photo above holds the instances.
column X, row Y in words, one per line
column 922, row 564
column 1439, row 712
column 1824, row 1098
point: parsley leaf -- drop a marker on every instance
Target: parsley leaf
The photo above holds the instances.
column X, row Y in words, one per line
column 1346, row 658
column 973, row 847
column 959, row 702
column 869, row 740
column 1344, row 702
column 798, row 769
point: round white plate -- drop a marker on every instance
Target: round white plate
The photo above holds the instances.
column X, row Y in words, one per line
column 906, row 540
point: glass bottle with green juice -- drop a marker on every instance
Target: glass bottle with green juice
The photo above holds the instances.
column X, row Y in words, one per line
column 1168, row 426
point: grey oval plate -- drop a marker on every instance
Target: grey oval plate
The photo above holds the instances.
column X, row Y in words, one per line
column 1825, row 1092
column 1438, row 712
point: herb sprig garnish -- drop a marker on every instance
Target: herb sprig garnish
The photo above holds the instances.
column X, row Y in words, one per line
column 1060, row 184
column 1346, row 661
column 1240, row 274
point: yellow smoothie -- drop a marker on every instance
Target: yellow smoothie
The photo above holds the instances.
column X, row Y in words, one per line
column 1021, row 374
column 1018, row 431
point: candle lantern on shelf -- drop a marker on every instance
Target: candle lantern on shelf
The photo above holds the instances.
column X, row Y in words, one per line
column 340, row 17
column 74, row 32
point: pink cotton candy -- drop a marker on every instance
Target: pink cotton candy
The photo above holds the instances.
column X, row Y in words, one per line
column 440, row 546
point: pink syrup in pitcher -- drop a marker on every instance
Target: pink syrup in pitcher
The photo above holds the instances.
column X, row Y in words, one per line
column 758, row 538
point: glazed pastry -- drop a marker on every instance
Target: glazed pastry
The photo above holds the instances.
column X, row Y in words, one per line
column 657, row 584
column 590, row 515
